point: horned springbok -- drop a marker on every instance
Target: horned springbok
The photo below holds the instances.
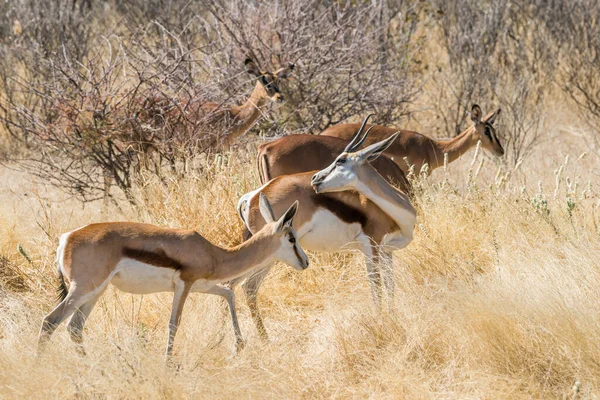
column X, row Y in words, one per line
column 347, row 205
column 417, row 148
column 301, row 153
column 141, row 259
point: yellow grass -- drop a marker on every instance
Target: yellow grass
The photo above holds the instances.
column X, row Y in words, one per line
column 497, row 297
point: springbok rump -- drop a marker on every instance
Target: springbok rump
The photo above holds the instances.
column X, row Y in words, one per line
column 141, row 259
column 348, row 205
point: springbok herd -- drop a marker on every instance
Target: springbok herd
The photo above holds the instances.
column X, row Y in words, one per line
column 329, row 191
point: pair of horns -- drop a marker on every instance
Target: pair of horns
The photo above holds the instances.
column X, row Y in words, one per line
column 355, row 143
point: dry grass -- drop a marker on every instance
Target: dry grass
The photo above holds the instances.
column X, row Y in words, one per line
column 496, row 298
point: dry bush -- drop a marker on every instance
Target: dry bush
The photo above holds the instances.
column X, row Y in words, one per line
column 573, row 27
column 352, row 59
column 494, row 58
column 131, row 101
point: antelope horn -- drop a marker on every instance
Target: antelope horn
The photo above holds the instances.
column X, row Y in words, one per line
column 355, row 140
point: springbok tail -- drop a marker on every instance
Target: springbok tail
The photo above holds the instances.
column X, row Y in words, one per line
column 62, row 290
column 265, row 173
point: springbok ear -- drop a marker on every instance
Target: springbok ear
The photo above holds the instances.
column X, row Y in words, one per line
column 491, row 118
column 251, row 67
column 285, row 72
column 285, row 222
column 373, row 151
column 476, row 114
column 265, row 208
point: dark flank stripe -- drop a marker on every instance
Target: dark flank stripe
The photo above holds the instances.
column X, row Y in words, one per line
column 158, row 258
column 343, row 211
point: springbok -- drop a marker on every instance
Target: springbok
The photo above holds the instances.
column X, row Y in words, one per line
column 241, row 118
column 141, row 258
column 347, row 205
column 417, row 148
column 301, row 153
column 220, row 123
column 213, row 126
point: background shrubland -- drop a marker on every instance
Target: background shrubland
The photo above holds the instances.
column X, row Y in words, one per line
column 497, row 294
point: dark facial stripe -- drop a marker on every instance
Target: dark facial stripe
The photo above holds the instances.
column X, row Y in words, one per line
column 158, row 258
column 297, row 254
column 493, row 136
column 343, row 211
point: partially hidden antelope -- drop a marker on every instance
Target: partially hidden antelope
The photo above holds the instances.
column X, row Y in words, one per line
column 419, row 149
column 348, row 205
column 141, row 258
column 301, row 153
column 221, row 123
column 243, row 117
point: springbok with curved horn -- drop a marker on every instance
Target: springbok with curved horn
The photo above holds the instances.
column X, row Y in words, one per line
column 299, row 153
column 347, row 205
column 142, row 258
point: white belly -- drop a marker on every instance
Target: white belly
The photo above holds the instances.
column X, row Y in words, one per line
column 139, row 278
column 326, row 232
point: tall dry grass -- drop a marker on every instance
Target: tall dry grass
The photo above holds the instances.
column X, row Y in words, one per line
column 497, row 296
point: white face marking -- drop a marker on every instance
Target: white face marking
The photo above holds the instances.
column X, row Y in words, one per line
column 326, row 232
column 292, row 253
column 136, row 277
column 338, row 177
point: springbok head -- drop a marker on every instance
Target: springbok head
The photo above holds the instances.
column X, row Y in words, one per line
column 484, row 130
column 269, row 81
column 283, row 234
column 348, row 169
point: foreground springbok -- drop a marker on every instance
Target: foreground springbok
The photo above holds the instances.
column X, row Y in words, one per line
column 347, row 205
column 141, row 259
column 300, row 153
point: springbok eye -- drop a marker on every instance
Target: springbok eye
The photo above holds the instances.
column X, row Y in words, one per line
column 292, row 240
column 264, row 80
column 341, row 161
column 487, row 132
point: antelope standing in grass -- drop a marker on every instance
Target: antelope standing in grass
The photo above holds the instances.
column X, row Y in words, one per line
column 141, row 259
column 417, row 148
column 301, row 153
column 347, row 205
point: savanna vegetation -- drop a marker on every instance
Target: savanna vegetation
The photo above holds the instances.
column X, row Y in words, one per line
column 497, row 296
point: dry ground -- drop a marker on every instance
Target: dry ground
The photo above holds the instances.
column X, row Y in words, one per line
column 497, row 296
